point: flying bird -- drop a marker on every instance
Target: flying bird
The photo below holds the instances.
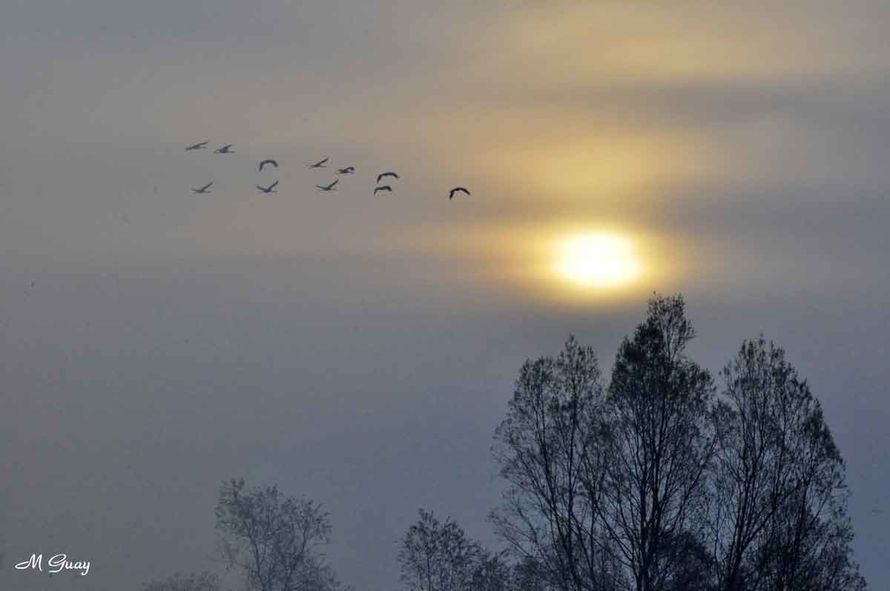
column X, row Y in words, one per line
column 319, row 164
column 269, row 189
column 268, row 161
column 203, row 190
column 227, row 149
column 347, row 170
column 383, row 188
column 457, row 190
column 198, row 146
column 383, row 175
column 327, row 187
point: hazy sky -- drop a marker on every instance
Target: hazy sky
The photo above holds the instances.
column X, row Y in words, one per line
column 360, row 350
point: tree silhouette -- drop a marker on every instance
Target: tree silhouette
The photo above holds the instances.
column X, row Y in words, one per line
column 778, row 517
column 272, row 539
column 656, row 483
column 552, row 450
column 661, row 443
column 651, row 483
column 437, row 555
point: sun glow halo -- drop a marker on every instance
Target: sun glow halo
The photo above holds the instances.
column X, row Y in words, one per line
column 597, row 260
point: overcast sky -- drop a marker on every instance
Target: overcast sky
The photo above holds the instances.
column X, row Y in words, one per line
column 360, row 350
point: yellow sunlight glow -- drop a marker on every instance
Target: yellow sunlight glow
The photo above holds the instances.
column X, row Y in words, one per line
column 597, row 260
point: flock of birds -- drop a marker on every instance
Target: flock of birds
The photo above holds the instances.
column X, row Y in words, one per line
column 266, row 190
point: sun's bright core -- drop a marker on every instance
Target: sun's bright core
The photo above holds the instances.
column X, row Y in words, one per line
column 597, row 260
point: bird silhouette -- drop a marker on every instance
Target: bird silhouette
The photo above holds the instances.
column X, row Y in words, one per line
column 203, row 190
column 383, row 175
column 456, row 190
column 347, row 170
column 327, row 187
column 269, row 189
column 320, row 164
column 227, row 149
column 383, row 188
column 268, row 161
column 198, row 146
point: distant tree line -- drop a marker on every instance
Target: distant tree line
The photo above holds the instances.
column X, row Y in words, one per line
column 662, row 479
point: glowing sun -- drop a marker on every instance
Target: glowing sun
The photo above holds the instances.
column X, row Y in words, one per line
column 597, row 260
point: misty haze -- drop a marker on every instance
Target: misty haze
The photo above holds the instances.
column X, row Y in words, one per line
column 439, row 296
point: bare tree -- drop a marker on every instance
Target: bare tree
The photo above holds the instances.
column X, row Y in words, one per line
column 658, row 485
column 661, row 443
column 551, row 451
column 778, row 517
column 754, row 471
column 272, row 539
column 492, row 573
column 437, row 555
column 203, row 581
column 528, row 575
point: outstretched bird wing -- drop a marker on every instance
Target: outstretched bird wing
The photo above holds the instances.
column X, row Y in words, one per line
column 320, row 163
column 268, row 161
column 197, row 146
column 457, row 190
column 383, row 175
column 383, row 188
column 268, row 189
